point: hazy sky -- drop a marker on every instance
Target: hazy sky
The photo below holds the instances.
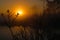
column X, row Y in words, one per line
column 9, row 4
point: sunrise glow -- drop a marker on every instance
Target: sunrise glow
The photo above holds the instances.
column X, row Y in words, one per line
column 20, row 12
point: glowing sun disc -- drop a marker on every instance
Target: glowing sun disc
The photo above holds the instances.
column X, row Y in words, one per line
column 20, row 12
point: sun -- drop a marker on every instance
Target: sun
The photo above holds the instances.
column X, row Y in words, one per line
column 20, row 12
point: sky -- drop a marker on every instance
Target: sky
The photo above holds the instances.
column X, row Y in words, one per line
column 25, row 5
column 13, row 4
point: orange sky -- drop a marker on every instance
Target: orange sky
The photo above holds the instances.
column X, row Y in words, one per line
column 16, row 4
column 25, row 5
